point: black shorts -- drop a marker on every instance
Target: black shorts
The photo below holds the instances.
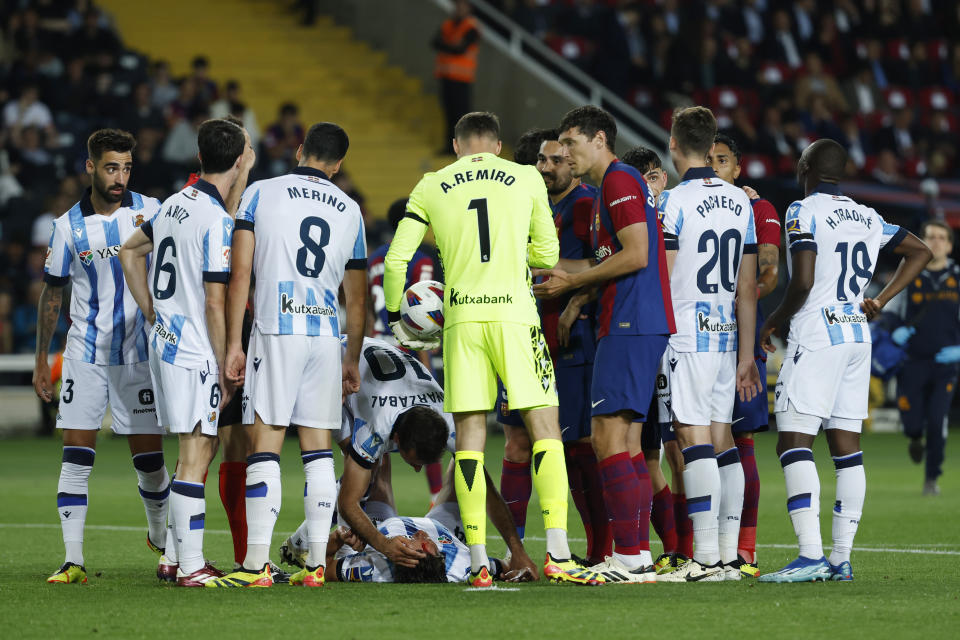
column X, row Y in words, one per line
column 233, row 412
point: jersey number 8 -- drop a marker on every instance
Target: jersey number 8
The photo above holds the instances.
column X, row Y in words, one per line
column 312, row 248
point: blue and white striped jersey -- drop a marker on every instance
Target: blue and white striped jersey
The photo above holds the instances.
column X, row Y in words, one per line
column 307, row 232
column 846, row 236
column 107, row 325
column 372, row 566
column 709, row 223
column 192, row 235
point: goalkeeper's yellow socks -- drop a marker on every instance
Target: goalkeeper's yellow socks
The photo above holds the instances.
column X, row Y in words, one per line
column 550, row 481
column 471, row 486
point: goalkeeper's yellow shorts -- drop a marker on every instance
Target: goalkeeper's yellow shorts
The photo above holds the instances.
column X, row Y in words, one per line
column 475, row 353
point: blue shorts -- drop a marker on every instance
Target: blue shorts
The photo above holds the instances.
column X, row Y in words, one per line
column 504, row 415
column 752, row 416
column 624, row 374
column 573, row 389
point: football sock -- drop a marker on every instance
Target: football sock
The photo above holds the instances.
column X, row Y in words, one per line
column 170, row 547
column 75, row 468
column 516, row 486
column 731, row 503
column 154, row 485
column 263, row 500
column 803, row 500
column 663, row 519
column 319, row 498
column 621, row 494
column 233, row 481
column 471, row 487
column 684, row 525
column 646, row 500
column 747, row 543
column 299, row 537
column 550, row 479
column 434, row 477
column 701, row 478
column 851, row 489
column 577, row 492
column 602, row 543
column 188, row 507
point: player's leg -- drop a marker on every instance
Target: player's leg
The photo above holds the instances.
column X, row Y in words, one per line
column 674, row 458
column 153, row 484
column 938, row 404
column 319, row 498
column 912, row 384
column 747, row 542
column 188, row 503
column 516, row 484
column 635, row 449
column 728, row 464
column 661, row 510
column 470, row 485
column 843, row 436
column 235, row 447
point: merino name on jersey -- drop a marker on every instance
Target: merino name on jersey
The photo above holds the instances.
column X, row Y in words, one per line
column 319, row 196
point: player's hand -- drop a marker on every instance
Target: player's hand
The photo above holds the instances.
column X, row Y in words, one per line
column 235, row 366
column 871, row 307
column 351, row 539
column 948, row 355
column 751, row 193
column 902, row 335
column 567, row 319
column 520, row 569
column 41, row 380
column 766, row 331
column 410, row 341
column 249, row 159
column 351, row 377
column 748, row 380
column 402, row 551
column 557, row 282
column 226, row 390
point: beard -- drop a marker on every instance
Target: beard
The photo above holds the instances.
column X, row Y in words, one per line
column 104, row 192
column 559, row 185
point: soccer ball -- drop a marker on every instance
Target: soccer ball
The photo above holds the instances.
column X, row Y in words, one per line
column 422, row 309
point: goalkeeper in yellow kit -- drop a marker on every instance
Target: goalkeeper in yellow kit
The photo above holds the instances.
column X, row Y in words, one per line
column 492, row 222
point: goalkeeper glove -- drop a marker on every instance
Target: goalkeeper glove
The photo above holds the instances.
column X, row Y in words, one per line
column 407, row 339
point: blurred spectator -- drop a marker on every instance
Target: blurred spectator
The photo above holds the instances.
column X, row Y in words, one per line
column 152, row 175
column 206, row 89
column 93, row 41
column 281, row 139
column 28, row 111
column 781, row 44
column 887, row 170
column 901, row 136
column 163, row 89
column 456, row 65
column 862, row 93
column 231, row 104
column 815, row 81
column 180, row 147
column 6, row 322
column 140, row 111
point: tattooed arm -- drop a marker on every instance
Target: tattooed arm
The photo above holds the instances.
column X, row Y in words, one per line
column 48, row 313
column 768, row 262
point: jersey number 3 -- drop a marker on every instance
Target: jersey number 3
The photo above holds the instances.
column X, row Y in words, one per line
column 312, row 249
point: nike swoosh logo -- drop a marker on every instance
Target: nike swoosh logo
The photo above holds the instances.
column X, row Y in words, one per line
column 594, row 404
column 737, row 420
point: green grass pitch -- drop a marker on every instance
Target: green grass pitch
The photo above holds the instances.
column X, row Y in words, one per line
column 907, row 568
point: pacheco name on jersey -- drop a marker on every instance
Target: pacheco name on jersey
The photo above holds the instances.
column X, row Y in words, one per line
column 290, row 306
column 718, row 202
column 834, row 317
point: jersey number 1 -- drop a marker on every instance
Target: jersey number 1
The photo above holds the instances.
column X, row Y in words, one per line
column 483, row 225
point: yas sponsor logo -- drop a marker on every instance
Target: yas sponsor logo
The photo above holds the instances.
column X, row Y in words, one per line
column 707, row 324
column 109, row 252
column 290, row 306
column 460, row 298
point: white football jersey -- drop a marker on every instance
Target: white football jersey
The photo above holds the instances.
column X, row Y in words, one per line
column 846, row 236
column 192, row 235
column 107, row 327
column 391, row 382
column 307, row 232
column 709, row 223
column 372, row 566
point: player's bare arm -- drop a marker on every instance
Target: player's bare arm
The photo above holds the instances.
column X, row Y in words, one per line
column 247, row 160
column 355, row 289
column 632, row 257
column 405, row 241
column 916, row 254
column 48, row 313
column 543, row 251
column 804, row 263
column 572, row 313
column 768, row 265
column 215, row 294
column 132, row 257
column 748, row 377
column 520, row 563
column 241, row 266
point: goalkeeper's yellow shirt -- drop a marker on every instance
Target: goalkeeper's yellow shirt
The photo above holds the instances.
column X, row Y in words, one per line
column 492, row 222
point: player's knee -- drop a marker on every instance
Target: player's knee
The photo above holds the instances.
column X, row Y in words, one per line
column 518, row 448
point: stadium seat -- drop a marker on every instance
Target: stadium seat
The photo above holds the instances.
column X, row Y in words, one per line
column 570, row 47
column 898, row 49
column 936, row 99
column 898, row 97
column 756, row 167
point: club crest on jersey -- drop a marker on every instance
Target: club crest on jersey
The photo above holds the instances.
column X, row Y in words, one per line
column 212, row 417
column 86, row 256
column 138, row 220
column 371, row 446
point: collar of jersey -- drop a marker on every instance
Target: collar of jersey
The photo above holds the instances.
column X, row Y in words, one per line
column 309, row 171
column 828, row 188
column 86, row 204
column 698, row 173
column 210, row 190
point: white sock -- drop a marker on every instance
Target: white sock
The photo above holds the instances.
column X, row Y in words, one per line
column 851, row 489
column 170, row 547
column 264, row 495
column 803, row 500
column 72, row 499
column 188, row 506
column 478, row 557
column 701, row 478
column 154, row 485
column 299, row 537
column 731, row 503
column 319, row 497
column 557, row 545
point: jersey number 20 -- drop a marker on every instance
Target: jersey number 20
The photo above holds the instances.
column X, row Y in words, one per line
column 718, row 249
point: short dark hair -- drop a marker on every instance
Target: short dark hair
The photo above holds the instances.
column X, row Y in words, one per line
column 528, row 146
column 326, row 141
column 424, row 431
column 431, row 569
column 396, row 212
column 220, row 143
column 233, row 120
column 722, row 138
column 589, row 120
column 642, row 159
column 477, row 123
column 951, row 234
column 695, row 129
column 199, row 62
column 104, row 140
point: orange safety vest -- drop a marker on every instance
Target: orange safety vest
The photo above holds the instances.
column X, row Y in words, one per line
column 460, row 67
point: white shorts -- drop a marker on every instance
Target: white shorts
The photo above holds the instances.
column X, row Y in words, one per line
column 186, row 396
column 293, row 380
column 702, row 385
column 448, row 514
column 87, row 388
column 829, row 386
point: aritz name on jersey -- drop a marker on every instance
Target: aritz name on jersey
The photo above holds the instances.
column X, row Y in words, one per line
column 177, row 212
column 460, row 298
column 832, row 317
column 463, row 177
column 289, row 305
column 164, row 334
column 405, row 401
column 719, row 202
column 850, row 215
column 704, row 323
column 319, row 196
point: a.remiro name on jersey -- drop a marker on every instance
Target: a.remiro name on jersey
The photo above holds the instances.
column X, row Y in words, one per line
column 709, row 223
column 846, row 236
column 307, row 232
column 107, row 327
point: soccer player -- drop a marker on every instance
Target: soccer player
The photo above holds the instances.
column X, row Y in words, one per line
column 301, row 237
column 183, row 297
column 491, row 326
column 927, row 320
column 105, row 360
column 750, row 417
column 711, row 249
column 635, row 318
column 832, row 247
